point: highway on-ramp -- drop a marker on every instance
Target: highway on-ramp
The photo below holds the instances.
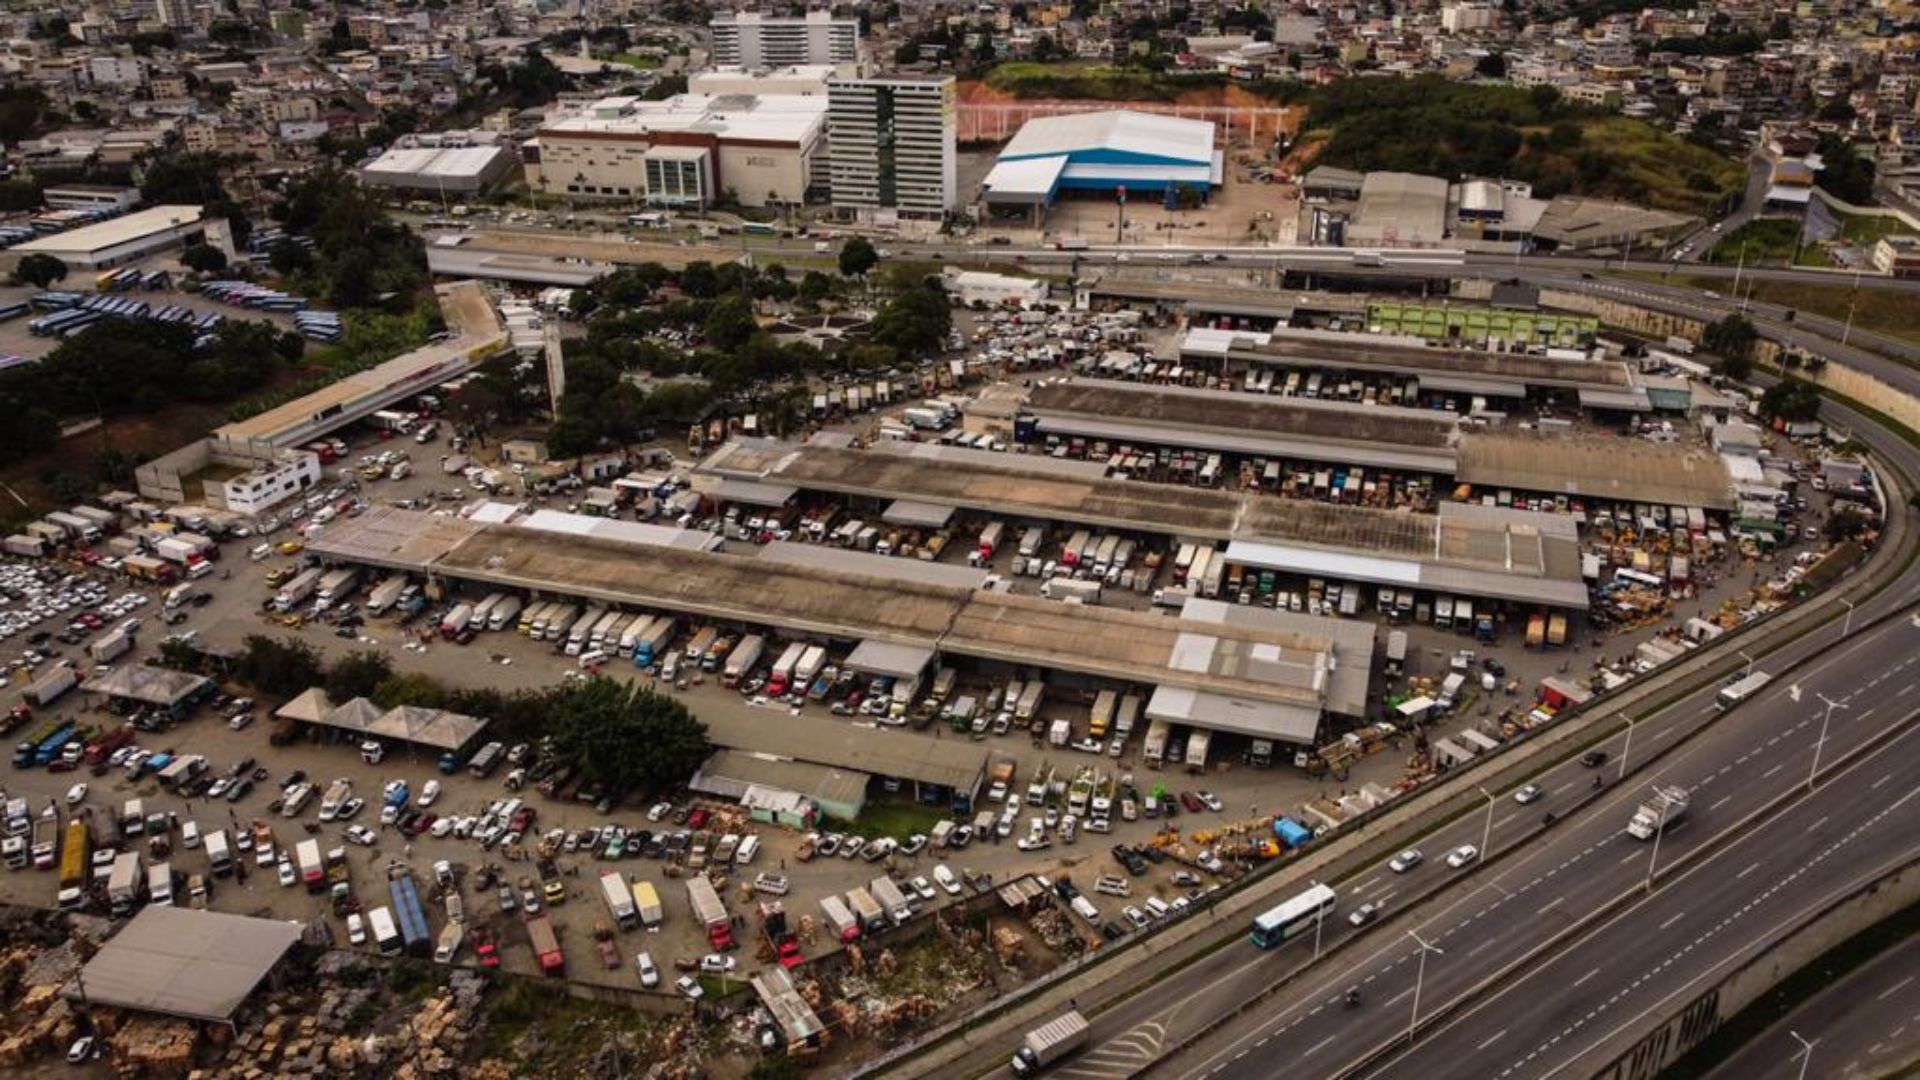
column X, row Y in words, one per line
column 1867, row 1024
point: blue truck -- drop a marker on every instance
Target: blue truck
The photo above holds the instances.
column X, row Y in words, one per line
column 1291, row 833
column 56, row 734
column 49, row 747
column 407, row 910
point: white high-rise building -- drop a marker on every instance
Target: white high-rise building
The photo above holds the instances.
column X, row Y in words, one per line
column 891, row 145
column 749, row 39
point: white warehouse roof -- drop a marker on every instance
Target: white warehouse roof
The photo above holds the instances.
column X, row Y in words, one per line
column 1168, row 138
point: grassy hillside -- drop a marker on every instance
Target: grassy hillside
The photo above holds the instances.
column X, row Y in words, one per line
column 1522, row 134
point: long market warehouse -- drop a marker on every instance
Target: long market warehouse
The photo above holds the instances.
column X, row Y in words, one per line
column 1522, row 559
column 1570, row 463
column 1277, row 673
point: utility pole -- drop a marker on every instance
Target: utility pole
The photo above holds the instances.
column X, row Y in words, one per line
column 1627, row 749
column 1486, row 834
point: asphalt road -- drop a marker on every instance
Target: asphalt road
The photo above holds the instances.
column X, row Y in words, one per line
column 1867, row 1024
column 1693, row 929
column 1558, row 875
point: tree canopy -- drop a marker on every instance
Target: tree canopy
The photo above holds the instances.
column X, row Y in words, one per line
column 279, row 668
column 1732, row 339
column 40, row 269
column 857, row 256
column 361, row 257
column 625, row 737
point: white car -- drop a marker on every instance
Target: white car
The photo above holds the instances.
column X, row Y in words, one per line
column 922, row 888
column 287, row 876
column 1406, row 861
column 360, row 834
column 76, row 794
column 1530, row 793
column 689, row 986
column 649, row 975
column 946, row 879
column 429, row 793
column 441, row 827
column 356, row 929
column 1462, row 855
column 717, row 964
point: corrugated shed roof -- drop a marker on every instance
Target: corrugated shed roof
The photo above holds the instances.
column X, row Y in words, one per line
column 184, row 962
column 1118, row 130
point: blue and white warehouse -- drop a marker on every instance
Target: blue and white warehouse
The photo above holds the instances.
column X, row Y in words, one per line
column 1150, row 156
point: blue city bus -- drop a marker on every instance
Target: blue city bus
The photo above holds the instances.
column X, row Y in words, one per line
column 1295, row 916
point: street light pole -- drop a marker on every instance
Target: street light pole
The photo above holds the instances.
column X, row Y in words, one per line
column 1659, row 831
column 1847, row 627
column 1319, row 921
column 1821, row 743
column 1627, row 749
column 1806, row 1052
column 1418, row 978
column 1749, row 668
column 1486, row 834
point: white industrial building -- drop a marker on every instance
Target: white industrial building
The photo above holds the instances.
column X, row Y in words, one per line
column 451, row 163
column 807, row 80
column 753, row 39
column 977, row 288
column 121, row 240
column 684, row 151
column 894, row 147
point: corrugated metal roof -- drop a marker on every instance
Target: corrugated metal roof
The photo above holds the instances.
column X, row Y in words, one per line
column 926, row 515
column 1218, row 712
column 185, row 962
column 1117, row 130
column 889, row 658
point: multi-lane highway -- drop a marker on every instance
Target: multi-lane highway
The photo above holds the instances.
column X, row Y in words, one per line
column 1499, row 912
column 1867, row 1024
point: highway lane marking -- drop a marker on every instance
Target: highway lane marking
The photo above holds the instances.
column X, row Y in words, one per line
column 1894, row 989
column 1316, row 1046
column 1864, row 713
column 1399, row 995
column 1501, row 823
column 1670, row 922
column 1817, row 824
column 1663, row 733
column 1585, row 977
column 1724, row 800
column 1880, row 781
column 1907, row 689
column 1768, row 775
column 1367, row 884
column 1794, row 875
column 1491, row 1041
column 1629, row 857
column 1556, row 902
column 1483, row 944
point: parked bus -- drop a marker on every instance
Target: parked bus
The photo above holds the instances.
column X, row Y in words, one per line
column 1296, row 915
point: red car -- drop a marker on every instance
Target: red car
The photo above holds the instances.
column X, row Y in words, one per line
column 1192, row 802
column 485, row 949
column 422, row 823
column 698, row 819
column 790, row 954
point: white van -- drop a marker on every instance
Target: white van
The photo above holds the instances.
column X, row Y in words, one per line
column 190, row 834
column 261, row 551
column 591, row 657
column 749, row 847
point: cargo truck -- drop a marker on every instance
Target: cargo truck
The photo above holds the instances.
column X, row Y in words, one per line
column 546, row 946
column 160, row 884
column 219, row 856
column 781, row 677
column 110, row 647
column 646, row 903
column 1049, row 1043
column 559, row 626
column 504, row 614
column 1662, row 809
column 46, row 842
column 872, row 917
column 336, row 585
column 49, row 688
column 809, row 665
column 295, row 592
column 1000, row 778
column 891, row 899
column 76, row 856
column 124, row 884
column 619, row 899
column 651, row 645
column 452, row 623
column 742, row 659
column 33, row 755
column 711, row 912
column 629, row 634
column 386, row 594
column 840, row 918
column 313, row 873
column 336, row 797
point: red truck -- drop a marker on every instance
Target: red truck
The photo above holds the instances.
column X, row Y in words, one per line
column 102, row 748
column 546, row 946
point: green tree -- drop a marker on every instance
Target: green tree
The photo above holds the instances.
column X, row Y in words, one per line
column 729, row 323
column 358, row 674
column 204, row 258
column 279, row 668
column 916, row 321
column 1732, row 339
column 1846, row 523
column 1491, row 66
column 626, row 737
column 40, row 270
column 288, row 257
column 857, row 256
column 1791, row 399
column 409, row 688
